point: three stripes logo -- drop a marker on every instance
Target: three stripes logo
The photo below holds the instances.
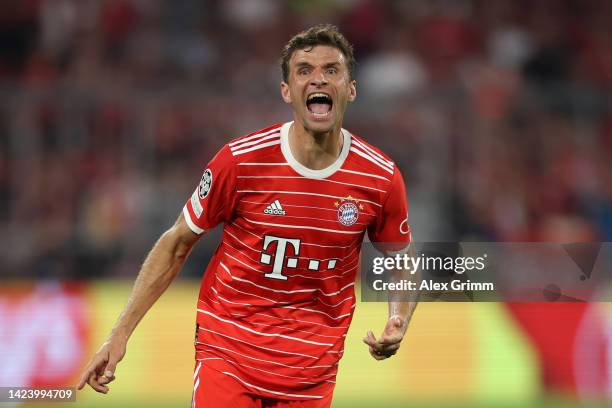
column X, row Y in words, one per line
column 275, row 209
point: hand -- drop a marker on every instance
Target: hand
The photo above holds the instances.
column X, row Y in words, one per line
column 390, row 339
column 101, row 369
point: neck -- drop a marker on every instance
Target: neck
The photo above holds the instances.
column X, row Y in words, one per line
column 315, row 150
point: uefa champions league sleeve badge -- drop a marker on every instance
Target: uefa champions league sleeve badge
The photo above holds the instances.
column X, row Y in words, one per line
column 205, row 184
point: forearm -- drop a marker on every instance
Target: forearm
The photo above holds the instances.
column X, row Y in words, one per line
column 161, row 266
column 400, row 303
column 402, row 309
column 157, row 272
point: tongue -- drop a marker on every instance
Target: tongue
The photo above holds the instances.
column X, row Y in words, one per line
column 320, row 108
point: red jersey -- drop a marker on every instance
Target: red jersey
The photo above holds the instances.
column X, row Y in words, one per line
column 278, row 295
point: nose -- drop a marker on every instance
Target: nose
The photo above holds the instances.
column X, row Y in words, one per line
column 318, row 78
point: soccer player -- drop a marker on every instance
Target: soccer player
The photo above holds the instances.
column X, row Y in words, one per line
column 296, row 200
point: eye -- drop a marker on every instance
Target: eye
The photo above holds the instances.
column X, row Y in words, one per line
column 303, row 71
column 332, row 71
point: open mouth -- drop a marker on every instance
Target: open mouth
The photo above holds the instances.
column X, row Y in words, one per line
column 319, row 104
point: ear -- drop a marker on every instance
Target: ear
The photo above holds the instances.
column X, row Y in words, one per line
column 285, row 92
column 352, row 91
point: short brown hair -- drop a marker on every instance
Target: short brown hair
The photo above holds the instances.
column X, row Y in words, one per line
column 321, row 34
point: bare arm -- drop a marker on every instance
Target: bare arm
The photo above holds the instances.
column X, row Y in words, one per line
column 400, row 313
column 161, row 266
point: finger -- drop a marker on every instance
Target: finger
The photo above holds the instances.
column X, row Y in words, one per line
column 384, row 352
column 92, row 368
column 110, row 367
column 391, row 348
column 369, row 339
column 391, row 339
column 373, row 344
column 376, row 355
column 105, row 372
column 372, row 341
column 83, row 380
column 388, row 353
column 369, row 342
column 106, row 378
column 108, row 375
column 102, row 380
column 93, row 383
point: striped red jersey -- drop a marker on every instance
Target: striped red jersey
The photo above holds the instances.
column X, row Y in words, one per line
column 278, row 295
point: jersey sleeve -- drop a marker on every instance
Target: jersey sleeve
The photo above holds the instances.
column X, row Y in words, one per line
column 213, row 200
column 391, row 225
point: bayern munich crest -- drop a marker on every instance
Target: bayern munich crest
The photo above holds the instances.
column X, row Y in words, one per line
column 348, row 211
column 205, row 183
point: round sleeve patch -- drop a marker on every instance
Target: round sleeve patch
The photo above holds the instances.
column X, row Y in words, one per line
column 205, row 183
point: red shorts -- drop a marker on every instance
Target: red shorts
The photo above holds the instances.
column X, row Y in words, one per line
column 213, row 389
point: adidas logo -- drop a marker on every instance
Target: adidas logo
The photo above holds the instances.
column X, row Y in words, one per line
column 275, row 209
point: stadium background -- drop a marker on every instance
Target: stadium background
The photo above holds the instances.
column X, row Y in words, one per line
column 497, row 112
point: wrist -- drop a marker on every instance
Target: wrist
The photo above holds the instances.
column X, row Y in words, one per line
column 400, row 316
column 400, row 321
column 119, row 334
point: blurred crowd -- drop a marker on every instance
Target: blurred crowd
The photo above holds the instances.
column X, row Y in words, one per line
column 497, row 112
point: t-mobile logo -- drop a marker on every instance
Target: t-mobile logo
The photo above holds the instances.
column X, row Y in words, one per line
column 279, row 255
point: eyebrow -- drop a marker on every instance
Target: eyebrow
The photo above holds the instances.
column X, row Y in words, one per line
column 302, row 64
column 308, row 65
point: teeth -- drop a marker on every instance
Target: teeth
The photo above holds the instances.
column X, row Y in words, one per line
column 318, row 94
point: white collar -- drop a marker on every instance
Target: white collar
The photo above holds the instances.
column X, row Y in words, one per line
column 308, row 172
